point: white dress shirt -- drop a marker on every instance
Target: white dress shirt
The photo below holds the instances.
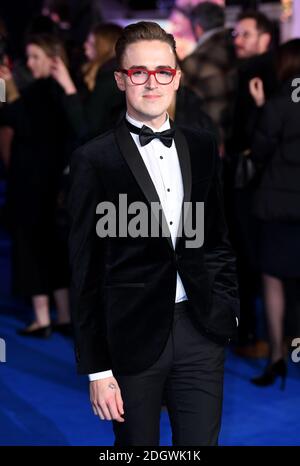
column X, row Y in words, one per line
column 163, row 167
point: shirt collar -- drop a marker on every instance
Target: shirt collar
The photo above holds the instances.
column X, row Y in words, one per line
column 139, row 124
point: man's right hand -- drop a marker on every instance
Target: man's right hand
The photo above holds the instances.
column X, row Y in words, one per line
column 106, row 402
column 256, row 88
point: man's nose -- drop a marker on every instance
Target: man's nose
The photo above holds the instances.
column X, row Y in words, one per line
column 238, row 40
column 151, row 83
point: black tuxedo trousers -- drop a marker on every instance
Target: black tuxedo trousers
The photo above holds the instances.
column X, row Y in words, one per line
column 188, row 375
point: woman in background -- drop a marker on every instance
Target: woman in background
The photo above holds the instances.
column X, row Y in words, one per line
column 99, row 49
column 38, row 157
column 95, row 106
column 276, row 148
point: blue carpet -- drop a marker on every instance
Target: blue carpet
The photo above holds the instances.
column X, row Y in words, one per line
column 44, row 402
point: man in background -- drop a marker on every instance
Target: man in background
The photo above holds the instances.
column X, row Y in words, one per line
column 210, row 70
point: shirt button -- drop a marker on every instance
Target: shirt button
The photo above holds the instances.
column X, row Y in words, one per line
column 171, row 223
column 168, row 190
column 161, row 157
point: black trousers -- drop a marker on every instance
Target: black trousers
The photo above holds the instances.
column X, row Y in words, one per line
column 189, row 374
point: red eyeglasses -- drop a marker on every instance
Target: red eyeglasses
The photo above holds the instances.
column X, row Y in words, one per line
column 141, row 75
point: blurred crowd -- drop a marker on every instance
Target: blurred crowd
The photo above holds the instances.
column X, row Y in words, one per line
column 237, row 83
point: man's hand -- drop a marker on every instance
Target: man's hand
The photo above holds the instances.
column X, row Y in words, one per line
column 106, row 402
column 5, row 73
column 12, row 92
column 256, row 88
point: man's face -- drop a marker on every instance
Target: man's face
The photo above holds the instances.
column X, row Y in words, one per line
column 148, row 102
column 249, row 41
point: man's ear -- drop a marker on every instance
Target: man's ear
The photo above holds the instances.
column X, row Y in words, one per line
column 265, row 41
column 119, row 77
column 177, row 79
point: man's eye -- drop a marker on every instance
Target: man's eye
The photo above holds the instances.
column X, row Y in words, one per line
column 165, row 73
column 139, row 73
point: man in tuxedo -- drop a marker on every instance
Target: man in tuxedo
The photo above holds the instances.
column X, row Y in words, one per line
column 152, row 313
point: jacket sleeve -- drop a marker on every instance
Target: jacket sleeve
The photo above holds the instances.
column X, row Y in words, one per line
column 266, row 137
column 220, row 259
column 86, row 252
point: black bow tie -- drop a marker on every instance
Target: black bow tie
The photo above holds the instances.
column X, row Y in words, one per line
column 146, row 134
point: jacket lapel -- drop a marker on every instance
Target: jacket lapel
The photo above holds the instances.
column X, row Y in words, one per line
column 186, row 173
column 139, row 170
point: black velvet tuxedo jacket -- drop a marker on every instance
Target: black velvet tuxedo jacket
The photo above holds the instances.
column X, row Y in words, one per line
column 123, row 288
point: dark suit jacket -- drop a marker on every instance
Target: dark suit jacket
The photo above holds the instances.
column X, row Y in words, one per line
column 123, row 289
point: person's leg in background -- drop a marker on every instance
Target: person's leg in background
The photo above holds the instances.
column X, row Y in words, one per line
column 275, row 309
column 40, row 327
column 61, row 297
column 41, row 311
column 60, row 276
